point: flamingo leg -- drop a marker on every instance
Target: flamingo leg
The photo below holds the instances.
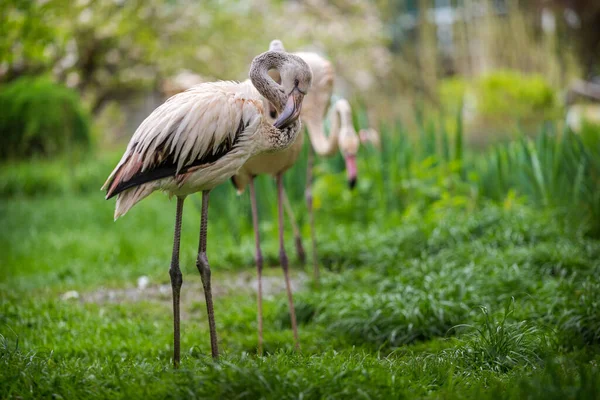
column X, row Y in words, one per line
column 259, row 264
column 283, row 259
column 204, row 269
column 176, row 282
column 311, row 213
column 297, row 236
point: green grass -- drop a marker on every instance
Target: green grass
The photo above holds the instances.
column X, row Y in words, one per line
column 398, row 316
column 437, row 282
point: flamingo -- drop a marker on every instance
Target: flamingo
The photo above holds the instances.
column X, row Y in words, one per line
column 273, row 164
column 342, row 138
column 182, row 81
column 314, row 108
column 200, row 138
column 370, row 135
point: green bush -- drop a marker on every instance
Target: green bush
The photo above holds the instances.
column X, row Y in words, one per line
column 497, row 105
column 452, row 93
column 502, row 95
column 40, row 117
column 518, row 97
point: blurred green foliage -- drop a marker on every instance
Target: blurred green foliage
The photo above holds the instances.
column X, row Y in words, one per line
column 513, row 95
column 452, row 94
column 57, row 176
column 114, row 50
column 41, row 118
column 415, row 170
column 499, row 104
column 103, row 49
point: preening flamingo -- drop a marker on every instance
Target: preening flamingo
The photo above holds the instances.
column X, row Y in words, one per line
column 200, row 138
column 314, row 109
column 273, row 164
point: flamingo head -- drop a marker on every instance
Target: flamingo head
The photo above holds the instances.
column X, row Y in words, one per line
column 349, row 144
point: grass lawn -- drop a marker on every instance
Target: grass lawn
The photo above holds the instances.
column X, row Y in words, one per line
column 490, row 302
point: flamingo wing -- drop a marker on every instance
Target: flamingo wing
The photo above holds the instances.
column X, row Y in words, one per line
column 192, row 128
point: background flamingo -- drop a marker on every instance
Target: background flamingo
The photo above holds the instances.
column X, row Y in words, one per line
column 370, row 135
column 198, row 139
column 342, row 137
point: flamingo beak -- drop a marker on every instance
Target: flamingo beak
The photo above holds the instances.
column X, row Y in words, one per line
column 351, row 170
column 292, row 109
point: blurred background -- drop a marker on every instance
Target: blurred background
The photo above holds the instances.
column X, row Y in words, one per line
column 431, row 76
column 498, row 60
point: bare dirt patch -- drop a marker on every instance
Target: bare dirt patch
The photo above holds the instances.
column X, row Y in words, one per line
column 240, row 283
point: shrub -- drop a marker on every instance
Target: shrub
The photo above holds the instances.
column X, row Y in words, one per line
column 497, row 104
column 40, row 117
column 452, row 93
column 520, row 98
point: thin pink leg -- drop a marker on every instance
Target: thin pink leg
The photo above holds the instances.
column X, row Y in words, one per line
column 204, row 269
column 284, row 260
column 311, row 214
column 259, row 264
column 176, row 282
column 297, row 236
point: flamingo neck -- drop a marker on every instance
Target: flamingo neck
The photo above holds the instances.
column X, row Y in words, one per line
column 266, row 86
column 327, row 146
column 323, row 145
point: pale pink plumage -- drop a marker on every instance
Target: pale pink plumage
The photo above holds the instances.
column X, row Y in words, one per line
column 192, row 125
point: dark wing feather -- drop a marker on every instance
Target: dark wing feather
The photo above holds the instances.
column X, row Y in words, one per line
column 167, row 167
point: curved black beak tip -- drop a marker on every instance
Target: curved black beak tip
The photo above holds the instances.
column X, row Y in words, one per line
column 352, row 183
column 291, row 111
